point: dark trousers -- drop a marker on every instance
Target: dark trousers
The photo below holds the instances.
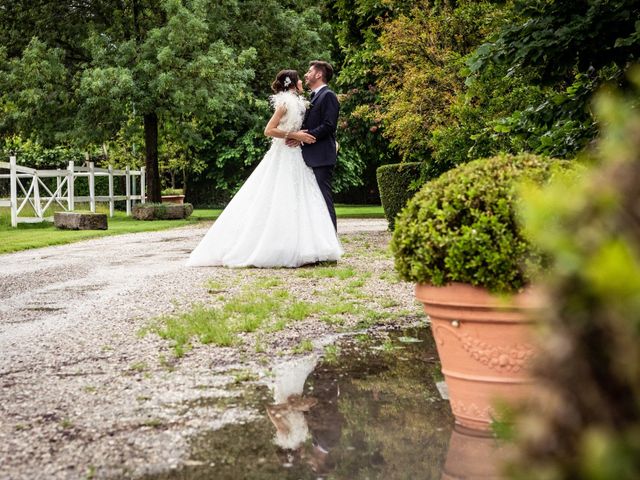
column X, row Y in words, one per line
column 323, row 177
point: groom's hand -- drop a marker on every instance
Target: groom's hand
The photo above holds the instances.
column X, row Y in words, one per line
column 303, row 136
column 292, row 143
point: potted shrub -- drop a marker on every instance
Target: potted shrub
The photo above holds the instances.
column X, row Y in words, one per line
column 173, row 195
column 459, row 240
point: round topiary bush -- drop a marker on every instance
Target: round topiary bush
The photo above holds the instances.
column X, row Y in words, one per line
column 462, row 227
column 395, row 182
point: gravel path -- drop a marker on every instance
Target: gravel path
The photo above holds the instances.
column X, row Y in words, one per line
column 83, row 394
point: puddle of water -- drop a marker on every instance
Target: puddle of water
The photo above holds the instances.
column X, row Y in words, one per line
column 368, row 410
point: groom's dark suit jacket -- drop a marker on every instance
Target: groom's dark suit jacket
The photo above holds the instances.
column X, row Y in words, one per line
column 321, row 121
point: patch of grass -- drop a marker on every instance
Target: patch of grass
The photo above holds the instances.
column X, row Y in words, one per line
column 90, row 389
column 20, row 426
column 356, row 283
column 259, row 346
column 371, row 318
column 241, row 376
column 66, row 423
column 332, row 319
column 303, row 347
column 153, row 423
column 268, row 282
column 299, row 310
column 331, row 353
column 206, row 324
column 341, row 273
column 246, row 312
column 391, row 277
column 138, row 367
column 278, row 325
column 206, row 213
column 91, row 472
column 340, row 307
column 359, row 211
column 388, row 302
column 36, row 235
column 215, row 286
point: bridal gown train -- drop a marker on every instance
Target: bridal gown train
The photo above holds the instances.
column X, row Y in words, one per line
column 279, row 217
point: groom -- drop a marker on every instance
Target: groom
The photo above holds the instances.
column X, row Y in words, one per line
column 320, row 121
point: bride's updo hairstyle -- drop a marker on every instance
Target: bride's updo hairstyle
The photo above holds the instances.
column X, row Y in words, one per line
column 285, row 80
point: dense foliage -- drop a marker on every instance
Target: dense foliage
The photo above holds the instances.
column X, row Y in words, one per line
column 463, row 227
column 182, row 81
column 186, row 81
column 397, row 184
column 586, row 423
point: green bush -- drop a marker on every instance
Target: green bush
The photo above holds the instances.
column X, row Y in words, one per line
column 590, row 364
column 173, row 191
column 462, row 227
column 396, row 186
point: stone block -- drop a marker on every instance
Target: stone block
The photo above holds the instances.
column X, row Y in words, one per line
column 168, row 211
column 80, row 221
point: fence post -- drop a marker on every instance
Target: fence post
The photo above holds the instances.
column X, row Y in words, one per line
column 70, row 187
column 111, row 201
column 143, row 184
column 133, row 188
column 36, row 196
column 127, row 187
column 92, row 188
column 13, row 181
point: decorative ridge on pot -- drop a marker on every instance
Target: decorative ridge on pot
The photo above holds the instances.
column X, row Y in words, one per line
column 477, row 299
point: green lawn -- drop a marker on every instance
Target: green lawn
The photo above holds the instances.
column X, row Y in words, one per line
column 44, row 234
column 342, row 211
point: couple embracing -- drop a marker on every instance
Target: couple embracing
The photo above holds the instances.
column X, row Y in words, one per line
column 283, row 216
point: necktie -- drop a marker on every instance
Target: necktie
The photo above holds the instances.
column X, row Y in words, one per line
column 313, row 94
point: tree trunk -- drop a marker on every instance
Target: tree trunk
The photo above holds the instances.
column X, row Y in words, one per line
column 184, row 181
column 151, row 157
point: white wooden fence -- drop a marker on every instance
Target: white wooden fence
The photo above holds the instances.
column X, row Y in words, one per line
column 33, row 191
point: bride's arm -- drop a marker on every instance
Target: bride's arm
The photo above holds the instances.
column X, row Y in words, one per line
column 272, row 130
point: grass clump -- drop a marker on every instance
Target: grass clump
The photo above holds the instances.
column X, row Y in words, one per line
column 305, row 346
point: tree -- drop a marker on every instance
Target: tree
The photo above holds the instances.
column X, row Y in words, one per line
column 568, row 49
column 168, row 69
column 155, row 60
column 421, row 72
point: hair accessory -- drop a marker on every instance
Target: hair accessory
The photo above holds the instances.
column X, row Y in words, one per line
column 287, row 82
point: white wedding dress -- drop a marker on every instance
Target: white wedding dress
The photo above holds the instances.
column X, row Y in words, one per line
column 291, row 425
column 278, row 218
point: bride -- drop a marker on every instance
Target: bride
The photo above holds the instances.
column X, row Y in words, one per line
column 279, row 217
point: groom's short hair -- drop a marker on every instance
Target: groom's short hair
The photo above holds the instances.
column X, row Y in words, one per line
column 325, row 68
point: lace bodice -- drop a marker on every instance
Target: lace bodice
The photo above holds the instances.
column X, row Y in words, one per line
column 296, row 106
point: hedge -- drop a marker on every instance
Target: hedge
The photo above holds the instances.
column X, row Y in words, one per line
column 395, row 185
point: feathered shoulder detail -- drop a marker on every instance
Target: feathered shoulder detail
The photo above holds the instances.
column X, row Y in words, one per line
column 291, row 100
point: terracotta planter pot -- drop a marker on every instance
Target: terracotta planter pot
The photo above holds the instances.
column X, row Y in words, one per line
column 179, row 199
column 474, row 455
column 485, row 345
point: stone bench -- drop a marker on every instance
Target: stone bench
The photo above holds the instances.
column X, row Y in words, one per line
column 165, row 211
column 80, row 221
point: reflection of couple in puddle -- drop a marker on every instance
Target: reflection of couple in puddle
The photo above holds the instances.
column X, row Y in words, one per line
column 297, row 416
